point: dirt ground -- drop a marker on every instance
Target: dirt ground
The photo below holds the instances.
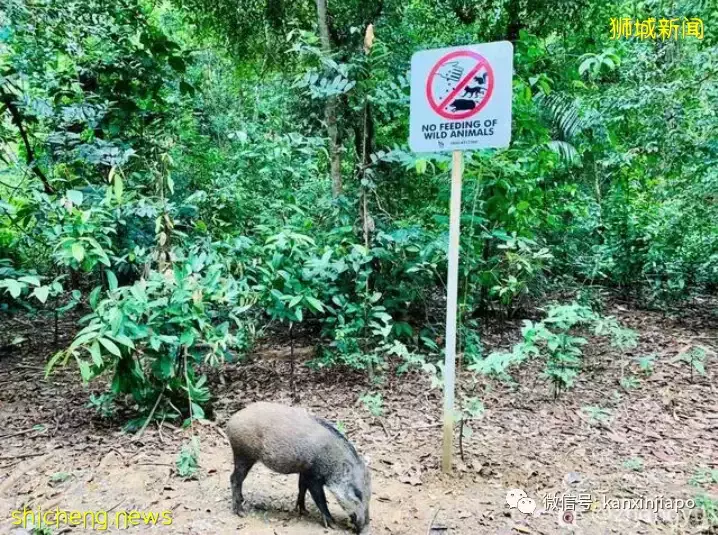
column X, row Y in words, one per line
column 598, row 442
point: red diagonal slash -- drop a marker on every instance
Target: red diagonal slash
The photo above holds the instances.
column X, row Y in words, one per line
column 462, row 84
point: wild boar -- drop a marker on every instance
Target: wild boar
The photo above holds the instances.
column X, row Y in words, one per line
column 289, row 440
column 461, row 104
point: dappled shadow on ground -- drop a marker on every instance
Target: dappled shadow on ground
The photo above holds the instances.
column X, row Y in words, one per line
column 646, row 437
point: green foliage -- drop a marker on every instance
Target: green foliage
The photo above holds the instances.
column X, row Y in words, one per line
column 704, row 477
column 60, row 477
column 104, row 404
column 168, row 164
column 596, row 415
column 152, row 336
column 645, row 363
column 708, row 508
column 634, row 463
column 374, row 403
column 187, row 462
column 630, row 382
column 695, row 359
column 552, row 340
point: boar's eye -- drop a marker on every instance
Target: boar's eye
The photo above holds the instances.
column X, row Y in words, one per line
column 357, row 493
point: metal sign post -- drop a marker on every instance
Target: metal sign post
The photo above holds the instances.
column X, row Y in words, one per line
column 460, row 100
column 457, row 164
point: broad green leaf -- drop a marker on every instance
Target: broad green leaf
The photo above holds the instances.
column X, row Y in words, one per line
column 118, row 187
column 96, row 354
column 85, row 369
column 78, row 251
column 54, row 360
column 110, row 346
column 14, row 287
column 421, row 165
column 41, row 293
column 30, row 279
column 95, row 296
column 80, row 340
column 111, row 279
column 314, row 303
column 75, row 196
column 124, row 340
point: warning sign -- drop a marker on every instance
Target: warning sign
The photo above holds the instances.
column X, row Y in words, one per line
column 461, row 98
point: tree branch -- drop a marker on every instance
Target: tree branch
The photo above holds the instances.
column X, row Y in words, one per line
column 29, row 153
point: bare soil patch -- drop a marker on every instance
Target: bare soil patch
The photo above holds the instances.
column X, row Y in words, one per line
column 652, row 439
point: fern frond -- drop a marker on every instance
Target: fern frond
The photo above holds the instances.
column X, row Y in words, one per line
column 563, row 113
column 566, row 152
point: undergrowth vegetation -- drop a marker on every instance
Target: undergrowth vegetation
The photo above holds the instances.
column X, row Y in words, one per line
column 193, row 184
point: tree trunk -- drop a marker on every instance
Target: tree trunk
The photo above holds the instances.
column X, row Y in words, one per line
column 513, row 14
column 330, row 108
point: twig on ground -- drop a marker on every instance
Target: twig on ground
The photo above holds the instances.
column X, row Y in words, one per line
column 18, row 433
column 427, row 426
column 19, row 472
column 381, row 421
column 20, row 456
column 149, row 418
column 431, row 524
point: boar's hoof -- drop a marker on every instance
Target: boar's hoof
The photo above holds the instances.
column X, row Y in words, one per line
column 238, row 508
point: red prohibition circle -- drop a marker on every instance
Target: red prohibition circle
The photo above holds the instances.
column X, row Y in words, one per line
column 439, row 107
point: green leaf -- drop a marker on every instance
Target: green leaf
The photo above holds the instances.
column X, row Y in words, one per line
column 75, row 196
column 14, row 287
column 177, row 63
column 30, row 279
column 81, row 339
column 197, row 411
column 110, row 346
column 314, row 303
column 111, row 279
column 118, row 187
column 54, row 360
column 187, row 338
column 78, row 251
column 41, row 293
column 124, row 340
column 95, row 296
column 96, row 354
column 85, row 370
column 421, row 166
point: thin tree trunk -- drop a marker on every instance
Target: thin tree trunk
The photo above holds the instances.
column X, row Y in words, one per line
column 30, row 158
column 367, row 135
column 330, row 108
column 292, row 379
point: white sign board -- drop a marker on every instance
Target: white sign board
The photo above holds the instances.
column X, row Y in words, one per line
column 461, row 97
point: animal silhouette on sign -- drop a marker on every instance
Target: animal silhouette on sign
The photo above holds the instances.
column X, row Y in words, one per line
column 462, row 104
column 476, row 90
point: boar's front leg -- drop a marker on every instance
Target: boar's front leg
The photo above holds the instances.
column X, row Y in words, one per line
column 242, row 466
column 316, row 489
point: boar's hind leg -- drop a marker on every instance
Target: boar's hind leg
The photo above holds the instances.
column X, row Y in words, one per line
column 303, row 486
column 316, row 489
column 242, row 466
